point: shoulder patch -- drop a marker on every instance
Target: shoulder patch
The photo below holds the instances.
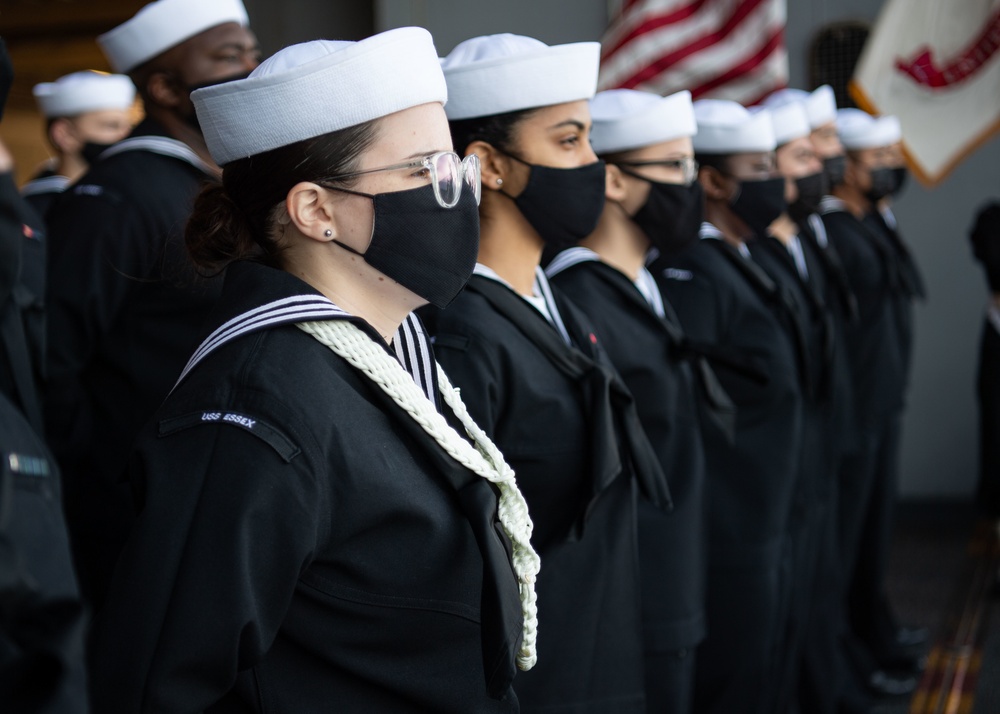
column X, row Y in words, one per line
column 677, row 274
column 88, row 189
column 271, row 435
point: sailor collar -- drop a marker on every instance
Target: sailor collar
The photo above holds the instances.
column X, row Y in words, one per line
column 410, row 345
column 645, row 284
column 543, row 300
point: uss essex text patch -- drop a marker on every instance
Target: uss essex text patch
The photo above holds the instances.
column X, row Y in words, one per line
column 271, row 435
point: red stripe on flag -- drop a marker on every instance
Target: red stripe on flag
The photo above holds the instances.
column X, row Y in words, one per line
column 654, row 23
column 665, row 61
column 745, row 67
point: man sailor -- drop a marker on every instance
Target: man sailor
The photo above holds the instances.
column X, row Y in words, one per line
column 85, row 113
column 125, row 306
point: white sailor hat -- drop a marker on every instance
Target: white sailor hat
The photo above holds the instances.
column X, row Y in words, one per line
column 80, row 92
column 626, row 119
column 727, row 127
column 495, row 74
column 789, row 121
column 820, row 104
column 860, row 130
column 318, row 87
column 164, row 24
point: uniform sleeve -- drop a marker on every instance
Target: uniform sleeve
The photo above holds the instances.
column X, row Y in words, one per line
column 95, row 256
column 227, row 523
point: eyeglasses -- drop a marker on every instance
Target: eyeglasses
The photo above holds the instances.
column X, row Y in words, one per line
column 447, row 172
column 686, row 165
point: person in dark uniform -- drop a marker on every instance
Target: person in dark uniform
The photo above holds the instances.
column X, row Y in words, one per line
column 41, row 618
column 532, row 368
column 318, row 515
column 826, row 683
column 85, row 113
column 651, row 201
column 877, row 361
column 124, row 305
column 791, row 261
column 727, row 302
column 880, row 624
column 985, row 239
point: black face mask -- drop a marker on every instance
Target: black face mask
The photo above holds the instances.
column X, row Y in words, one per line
column 562, row 205
column 811, row 189
column 92, row 151
column 834, row 168
column 899, row 175
column 883, row 182
column 671, row 216
column 427, row 249
column 759, row 203
column 192, row 118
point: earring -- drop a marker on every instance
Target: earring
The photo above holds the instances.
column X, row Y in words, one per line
column 499, row 182
column 328, row 233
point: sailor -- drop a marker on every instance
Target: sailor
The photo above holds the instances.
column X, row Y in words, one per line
column 878, row 348
column 652, row 202
column 42, row 621
column 318, row 517
column 124, row 305
column 797, row 263
column 985, row 239
column 85, row 113
column 725, row 300
column 873, row 612
column 533, row 371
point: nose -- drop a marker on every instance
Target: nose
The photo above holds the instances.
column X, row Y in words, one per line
column 250, row 61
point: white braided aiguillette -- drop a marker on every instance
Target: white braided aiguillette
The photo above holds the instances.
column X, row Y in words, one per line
column 485, row 459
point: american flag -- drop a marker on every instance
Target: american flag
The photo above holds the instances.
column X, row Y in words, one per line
column 726, row 49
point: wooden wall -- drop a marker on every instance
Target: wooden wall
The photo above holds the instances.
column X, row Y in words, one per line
column 47, row 39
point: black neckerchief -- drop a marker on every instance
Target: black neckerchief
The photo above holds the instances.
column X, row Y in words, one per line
column 610, row 407
column 719, row 406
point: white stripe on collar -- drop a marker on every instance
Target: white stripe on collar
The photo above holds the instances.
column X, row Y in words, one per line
column 410, row 343
column 49, row 184
column 819, row 230
column 412, row 347
column 794, row 248
column 300, row 308
column 831, row 204
column 710, row 232
column 888, row 216
column 164, row 146
column 544, row 303
column 647, row 286
column 568, row 258
column 707, row 230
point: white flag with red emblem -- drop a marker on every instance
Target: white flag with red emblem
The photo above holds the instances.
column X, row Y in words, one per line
column 725, row 49
column 936, row 66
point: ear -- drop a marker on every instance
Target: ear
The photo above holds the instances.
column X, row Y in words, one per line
column 310, row 209
column 495, row 164
column 716, row 185
column 614, row 184
column 63, row 137
column 163, row 89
